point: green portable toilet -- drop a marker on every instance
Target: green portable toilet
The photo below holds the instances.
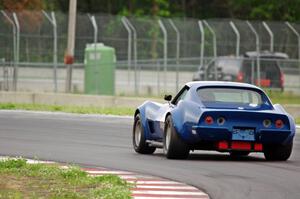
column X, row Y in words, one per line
column 99, row 73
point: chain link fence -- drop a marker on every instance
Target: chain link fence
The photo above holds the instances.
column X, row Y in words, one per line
column 154, row 55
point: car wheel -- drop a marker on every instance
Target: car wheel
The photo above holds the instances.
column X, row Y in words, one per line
column 174, row 147
column 238, row 153
column 278, row 152
column 138, row 137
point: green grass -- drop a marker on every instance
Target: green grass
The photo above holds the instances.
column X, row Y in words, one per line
column 69, row 109
column 21, row 180
column 297, row 120
column 284, row 97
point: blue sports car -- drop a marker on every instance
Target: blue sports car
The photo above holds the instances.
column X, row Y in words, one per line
column 224, row 116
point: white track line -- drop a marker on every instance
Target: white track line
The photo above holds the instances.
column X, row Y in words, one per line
column 162, row 193
column 155, row 182
column 166, row 187
column 158, row 197
column 109, row 172
column 298, row 126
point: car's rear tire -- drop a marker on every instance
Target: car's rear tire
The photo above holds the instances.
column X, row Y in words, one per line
column 174, row 147
column 239, row 153
column 138, row 137
column 278, row 152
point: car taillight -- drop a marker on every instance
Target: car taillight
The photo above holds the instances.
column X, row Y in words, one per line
column 209, row 120
column 258, row 147
column 221, row 120
column 281, row 79
column 222, row 145
column 240, row 77
column 279, row 124
column 267, row 123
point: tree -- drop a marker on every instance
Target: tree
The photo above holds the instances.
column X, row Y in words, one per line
column 287, row 10
column 29, row 20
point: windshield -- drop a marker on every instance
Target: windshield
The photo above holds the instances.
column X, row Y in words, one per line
column 218, row 97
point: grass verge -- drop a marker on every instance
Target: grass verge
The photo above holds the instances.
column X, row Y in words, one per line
column 276, row 97
column 69, row 109
column 297, row 120
column 21, row 180
column 283, row 97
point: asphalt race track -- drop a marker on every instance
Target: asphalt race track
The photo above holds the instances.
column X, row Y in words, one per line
column 106, row 141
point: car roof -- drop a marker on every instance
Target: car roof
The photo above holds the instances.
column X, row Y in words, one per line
column 267, row 54
column 220, row 83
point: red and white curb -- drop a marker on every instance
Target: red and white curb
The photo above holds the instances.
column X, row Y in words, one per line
column 145, row 186
column 149, row 187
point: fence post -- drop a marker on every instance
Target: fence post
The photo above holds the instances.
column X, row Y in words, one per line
column 14, row 45
column 257, row 50
column 271, row 36
column 237, row 33
column 17, row 50
column 298, row 37
column 136, row 83
column 52, row 21
column 214, row 45
column 177, row 52
column 95, row 27
column 202, row 43
column 158, row 78
column 163, row 29
column 129, row 48
column 55, row 49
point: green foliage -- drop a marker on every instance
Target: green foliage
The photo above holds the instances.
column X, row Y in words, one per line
column 243, row 9
column 266, row 10
column 12, row 163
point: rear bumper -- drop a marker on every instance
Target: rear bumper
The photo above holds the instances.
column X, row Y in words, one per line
column 265, row 136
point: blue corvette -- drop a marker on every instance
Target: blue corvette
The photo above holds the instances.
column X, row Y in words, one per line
column 224, row 116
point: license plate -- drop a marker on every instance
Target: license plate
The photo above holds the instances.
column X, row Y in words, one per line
column 243, row 134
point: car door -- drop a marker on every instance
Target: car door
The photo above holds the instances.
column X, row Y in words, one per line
column 166, row 108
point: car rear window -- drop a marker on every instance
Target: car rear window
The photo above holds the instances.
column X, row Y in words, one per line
column 223, row 97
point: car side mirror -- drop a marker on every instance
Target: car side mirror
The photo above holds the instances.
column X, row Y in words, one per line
column 168, row 97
